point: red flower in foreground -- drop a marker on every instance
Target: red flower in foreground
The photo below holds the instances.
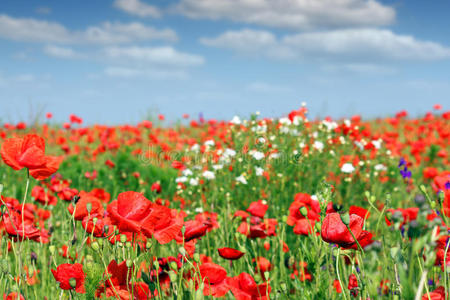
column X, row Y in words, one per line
column 70, row 277
column 132, row 212
column 13, row 296
column 334, row 231
column 244, row 287
column 230, row 253
column 29, row 152
column 214, row 278
column 17, row 229
column 437, row 294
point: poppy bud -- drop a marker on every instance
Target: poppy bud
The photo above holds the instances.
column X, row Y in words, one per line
column 345, row 218
column 73, row 282
column 3, row 209
column 304, row 211
column 128, row 244
column 173, row 265
column 284, row 219
column 123, row 238
column 196, row 257
column 4, row 265
column 105, row 229
column 156, row 264
column 129, row 263
column 52, row 249
column 95, row 246
column 182, row 251
column 89, row 207
column 148, row 245
column 266, row 275
column 318, row 226
column 441, row 196
column 172, row 276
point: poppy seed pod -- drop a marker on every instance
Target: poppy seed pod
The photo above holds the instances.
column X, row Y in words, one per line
column 345, row 218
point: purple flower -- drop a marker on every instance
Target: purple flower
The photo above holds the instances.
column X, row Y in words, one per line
column 402, row 162
column 447, row 185
column 405, row 173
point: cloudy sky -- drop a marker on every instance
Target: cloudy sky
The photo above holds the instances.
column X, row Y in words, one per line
column 117, row 61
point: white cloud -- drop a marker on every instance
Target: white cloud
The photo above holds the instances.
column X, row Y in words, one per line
column 138, row 8
column 292, row 14
column 361, row 68
column 127, row 73
column 359, row 46
column 380, row 43
column 250, row 42
column 116, row 33
column 32, row 30
column 60, row 52
column 166, row 56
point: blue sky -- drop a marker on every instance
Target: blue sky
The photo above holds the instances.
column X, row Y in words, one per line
column 117, row 61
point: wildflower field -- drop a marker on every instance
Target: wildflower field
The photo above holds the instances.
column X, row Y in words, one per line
column 287, row 208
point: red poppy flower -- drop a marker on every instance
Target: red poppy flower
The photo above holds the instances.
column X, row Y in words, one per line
column 132, row 212
column 13, row 296
column 244, row 287
column 195, row 229
column 29, row 152
column 80, row 211
column 43, row 197
column 230, row 253
column 70, row 277
column 437, row 294
column 215, row 280
column 262, row 264
column 17, row 229
column 128, row 211
column 303, row 225
column 334, row 230
column 353, row 285
column 258, row 208
column 337, row 286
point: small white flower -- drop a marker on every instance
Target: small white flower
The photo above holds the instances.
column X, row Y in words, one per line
column 209, row 143
column 217, row 167
column 380, row 167
column 187, row 172
column 241, row 179
column 199, row 210
column 318, row 145
column 209, row 175
column 193, row 181
column 181, row 179
column 377, row 144
column 229, row 152
column 236, row 120
column 347, row 168
column 259, row 171
column 195, row 147
column 258, row 155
